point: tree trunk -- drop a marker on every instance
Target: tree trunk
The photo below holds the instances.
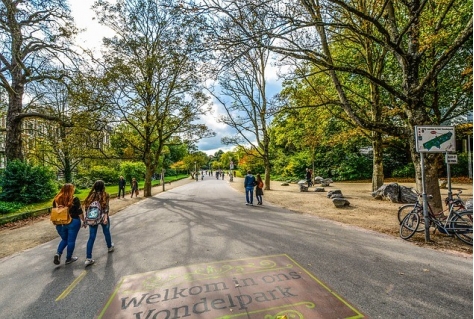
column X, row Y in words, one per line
column 267, row 173
column 148, row 175
column 150, row 165
column 13, row 141
column 67, row 169
column 377, row 166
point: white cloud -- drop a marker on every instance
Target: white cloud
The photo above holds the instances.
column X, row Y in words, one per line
column 85, row 18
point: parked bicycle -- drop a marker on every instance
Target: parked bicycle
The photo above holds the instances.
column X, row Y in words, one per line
column 404, row 210
column 458, row 222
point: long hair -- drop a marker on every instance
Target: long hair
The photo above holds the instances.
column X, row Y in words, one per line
column 259, row 178
column 97, row 193
column 65, row 195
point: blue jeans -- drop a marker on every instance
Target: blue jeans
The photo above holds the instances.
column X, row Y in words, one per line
column 92, row 235
column 121, row 190
column 249, row 195
column 68, row 234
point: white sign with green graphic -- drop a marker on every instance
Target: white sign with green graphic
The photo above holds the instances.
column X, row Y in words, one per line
column 435, row 139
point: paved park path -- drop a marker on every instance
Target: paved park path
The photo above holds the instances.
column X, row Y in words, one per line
column 183, row 250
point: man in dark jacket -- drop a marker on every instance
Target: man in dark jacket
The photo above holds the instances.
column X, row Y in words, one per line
column 249, row 184
column 309, row 177
column 121, row 187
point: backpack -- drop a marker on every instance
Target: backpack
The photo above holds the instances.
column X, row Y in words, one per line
column 94, row 214
column 60, row 215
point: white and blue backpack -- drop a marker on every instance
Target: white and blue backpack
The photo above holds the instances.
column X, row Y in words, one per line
column 94, row 214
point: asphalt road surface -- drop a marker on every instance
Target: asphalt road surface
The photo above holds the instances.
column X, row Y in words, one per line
column 207, row 221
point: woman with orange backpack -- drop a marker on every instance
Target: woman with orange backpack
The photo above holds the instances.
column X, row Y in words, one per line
column 68, row 232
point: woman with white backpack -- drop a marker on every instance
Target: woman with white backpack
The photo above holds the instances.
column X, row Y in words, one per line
column 96, row 210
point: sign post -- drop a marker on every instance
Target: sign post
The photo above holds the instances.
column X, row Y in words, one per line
column 432, row 139
column 450, row 159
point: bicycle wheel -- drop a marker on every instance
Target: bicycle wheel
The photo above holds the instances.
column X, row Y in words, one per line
column 461, row 226
column 409, row 225
column 406, row 209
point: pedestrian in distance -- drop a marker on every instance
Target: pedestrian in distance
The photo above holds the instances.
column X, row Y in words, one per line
column 259, row 190
column 121, row 185
column 68, row 232
column 249, row 184
column 100, row 196
column 134, row 186
column 309, row 177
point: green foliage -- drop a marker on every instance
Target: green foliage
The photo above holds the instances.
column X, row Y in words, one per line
column 9, row 207
column 105, row 173
column 132, row 169
column 406, row 171
column 354, row 167
column 462, row 167
column 22, row 182
column 170, row 172
column 83, row 182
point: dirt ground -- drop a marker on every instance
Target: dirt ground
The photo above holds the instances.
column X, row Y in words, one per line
column 364, row 212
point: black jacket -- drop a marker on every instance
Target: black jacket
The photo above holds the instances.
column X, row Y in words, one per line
column 75, row 210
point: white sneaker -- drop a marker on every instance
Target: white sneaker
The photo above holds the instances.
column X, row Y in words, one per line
column 112, row 248
column 89, row 262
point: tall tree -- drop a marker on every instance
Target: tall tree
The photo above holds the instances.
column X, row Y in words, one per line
column 35, row 38
column 423, row 39
column 75, row 135
column 243, row 80
column 152, row 71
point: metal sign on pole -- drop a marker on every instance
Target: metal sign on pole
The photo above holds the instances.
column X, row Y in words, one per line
column 432, row 139
column 425, row 199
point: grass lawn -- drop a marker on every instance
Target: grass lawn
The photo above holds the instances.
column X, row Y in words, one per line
column 30, row 209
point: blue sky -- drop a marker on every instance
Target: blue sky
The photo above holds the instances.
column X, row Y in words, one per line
column 92, row 38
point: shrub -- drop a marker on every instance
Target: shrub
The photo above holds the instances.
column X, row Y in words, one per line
column 354, row 167
column 24, row 183
column 462, row 167
column 9, row 207
column 132, row 169
column 83, row 182
column 105, row 173
column 406, row 171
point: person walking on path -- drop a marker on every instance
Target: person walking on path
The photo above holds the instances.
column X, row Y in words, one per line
column 121, row 185
column 98, row 194
column 68, row 232
column 309, row 177
column 134, row 188
column 249, row 184
column 259, row 190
